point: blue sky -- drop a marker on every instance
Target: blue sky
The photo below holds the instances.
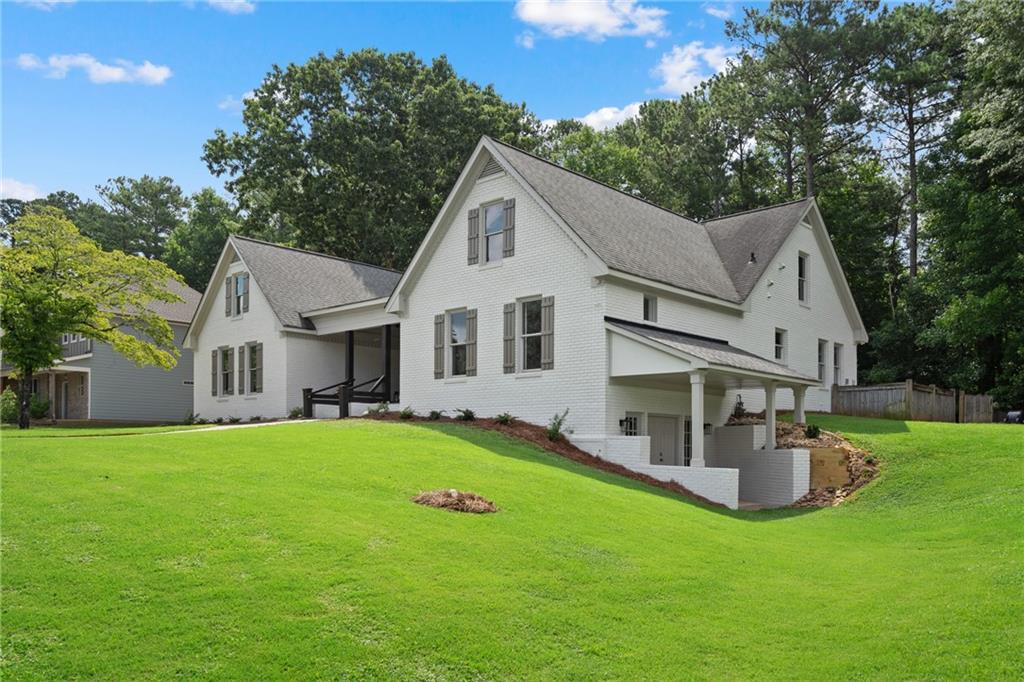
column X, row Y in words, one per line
column 96, row 90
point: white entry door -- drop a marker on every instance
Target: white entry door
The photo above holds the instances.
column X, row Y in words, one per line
column 664, row 433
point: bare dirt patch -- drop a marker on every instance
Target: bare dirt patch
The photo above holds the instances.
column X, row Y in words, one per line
column 457, row 501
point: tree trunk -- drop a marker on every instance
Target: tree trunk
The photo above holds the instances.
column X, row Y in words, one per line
column 912, row 158
column 809, row 172
column 24, row 397
column 789, row 168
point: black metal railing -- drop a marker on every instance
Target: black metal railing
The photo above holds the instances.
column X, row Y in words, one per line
column 343, row 393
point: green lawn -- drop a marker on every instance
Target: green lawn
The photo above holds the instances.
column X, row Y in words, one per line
column 8, row 431
column 293, row 551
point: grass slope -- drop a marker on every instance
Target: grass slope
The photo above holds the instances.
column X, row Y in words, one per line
column 294, row 551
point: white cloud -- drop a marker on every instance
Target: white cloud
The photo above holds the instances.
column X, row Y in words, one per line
column 233, row 6
column 15, row 189
column 45, row 5
column 686, row 66
column 650, row 43
column 722, row 12
column 592, row 19
column 609, row 117
column 121, row 71
column 526, row 40
column 234, row 104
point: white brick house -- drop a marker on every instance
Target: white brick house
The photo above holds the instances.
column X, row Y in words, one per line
column 538, row 290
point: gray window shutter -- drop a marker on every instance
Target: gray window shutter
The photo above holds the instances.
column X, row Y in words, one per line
column 257, row 382
column 547, row 332
column 509, row 246
column 471, row 343
column 509, row 339
column 227, row 296
column 474, row 236
column 230, row 369
column 241, row 370
column 245, row 296
column 213, row 372
column 439, row 346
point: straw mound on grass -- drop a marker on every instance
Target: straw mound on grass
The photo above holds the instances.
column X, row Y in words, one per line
column 454, row 500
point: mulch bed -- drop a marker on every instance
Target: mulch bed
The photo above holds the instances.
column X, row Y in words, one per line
column 537, row 435
column 456, row 501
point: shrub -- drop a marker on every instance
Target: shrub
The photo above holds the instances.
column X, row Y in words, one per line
column 218, row 420
column 201, row 420
column 38, row 407
column 465, row 414
column 234, row 420
column 406, row 413
column 556, row 424
column 505, row 419
column 869, row 459
column 295, row 413
column 378, row 409
column 255, row 418
column 192, row 418
column 812, row 430
column 9, row 406
column 434, row 415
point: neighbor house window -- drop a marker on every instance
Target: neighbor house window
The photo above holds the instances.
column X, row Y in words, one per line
column 457, row 342
column 227, row 371
column 650, row 308
column 494, row 226
column 631, row 424
column 65, row 338
column 780, row 345
column 837, row 363
column 531, row 334
column 255, row 352
column 822, row 355
column 801, row 277
column 687, row 442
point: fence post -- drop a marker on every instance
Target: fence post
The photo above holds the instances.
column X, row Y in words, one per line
column 307, row 403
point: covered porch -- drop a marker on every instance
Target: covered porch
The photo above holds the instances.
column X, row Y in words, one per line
column 67, row 388
column 366, row 372
column 670, row 394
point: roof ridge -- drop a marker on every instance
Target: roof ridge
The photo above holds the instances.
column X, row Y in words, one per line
column 595, row 181
column 756, row 210
column 313, row 253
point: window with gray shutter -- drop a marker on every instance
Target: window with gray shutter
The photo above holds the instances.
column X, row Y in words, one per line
column 473, row 255
column 471, row 343
column 509, row 339
column 229, row 286
column 241, row 370
column 227, row 371
column 255, row 368
column 439, row 346
column 547, row 334
column 213, row 372
column 245, row 293
column 510, row 228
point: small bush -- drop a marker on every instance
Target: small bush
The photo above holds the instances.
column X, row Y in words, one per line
column 812, row 430
column 38, row 407
column 255, row 418
column 869, row 459
column 9, row 406
column 234, row 420
column 556, row 424
column 191, row 418
column 465, row 414
column 295, row 413
column 201, row 420
column 406, row 413
column 505, row 419
column 378, row 409
column 434, row 415
column 218, row 420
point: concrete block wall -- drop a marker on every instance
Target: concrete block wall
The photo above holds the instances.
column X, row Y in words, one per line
column 769, row 477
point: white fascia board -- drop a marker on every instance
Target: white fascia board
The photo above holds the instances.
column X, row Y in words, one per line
column 370, row 303
column 814, row 217
column 695, row 361
column 197, row 317
column 682, row 293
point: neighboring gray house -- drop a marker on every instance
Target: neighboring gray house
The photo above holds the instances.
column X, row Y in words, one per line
column 95, row 382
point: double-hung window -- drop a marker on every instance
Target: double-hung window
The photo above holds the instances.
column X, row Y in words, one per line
column 494, row 227
column 780, row 345
column 457, row 337
column 531, row 327
column 650, row 308
column 227, row 371
column 837, row 363
column 241, row 288
column 801, row 278
column 822, row 355
column 255, row 351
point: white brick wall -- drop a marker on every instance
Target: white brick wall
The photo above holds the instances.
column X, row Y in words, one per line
column 546, row 263
column 769, row 477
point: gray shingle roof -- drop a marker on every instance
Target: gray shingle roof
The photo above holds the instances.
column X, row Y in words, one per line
column 640, row 238
column 760, row 232
column 628, row 233
column 178, row 312
column 296, row 281
column 712, row 351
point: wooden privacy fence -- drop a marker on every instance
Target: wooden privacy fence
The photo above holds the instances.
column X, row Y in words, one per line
column 907, row 400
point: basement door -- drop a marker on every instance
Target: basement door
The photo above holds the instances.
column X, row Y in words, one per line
column 664, row 433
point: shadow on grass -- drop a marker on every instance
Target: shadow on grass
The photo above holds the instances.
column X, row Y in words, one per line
column 528, row 452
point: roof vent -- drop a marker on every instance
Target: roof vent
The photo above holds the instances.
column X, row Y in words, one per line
column 753, row 258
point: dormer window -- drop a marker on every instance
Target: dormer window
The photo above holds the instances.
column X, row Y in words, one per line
column 494, row 227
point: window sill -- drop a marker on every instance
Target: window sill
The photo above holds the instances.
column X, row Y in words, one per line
column 492, row 265
column 805, row 305
column 529, row 374
column 222, row 400
column 455, row 380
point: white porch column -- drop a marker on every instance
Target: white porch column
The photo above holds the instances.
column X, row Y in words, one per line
column 769, row 415
column 799, row 392
column 697, row 419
